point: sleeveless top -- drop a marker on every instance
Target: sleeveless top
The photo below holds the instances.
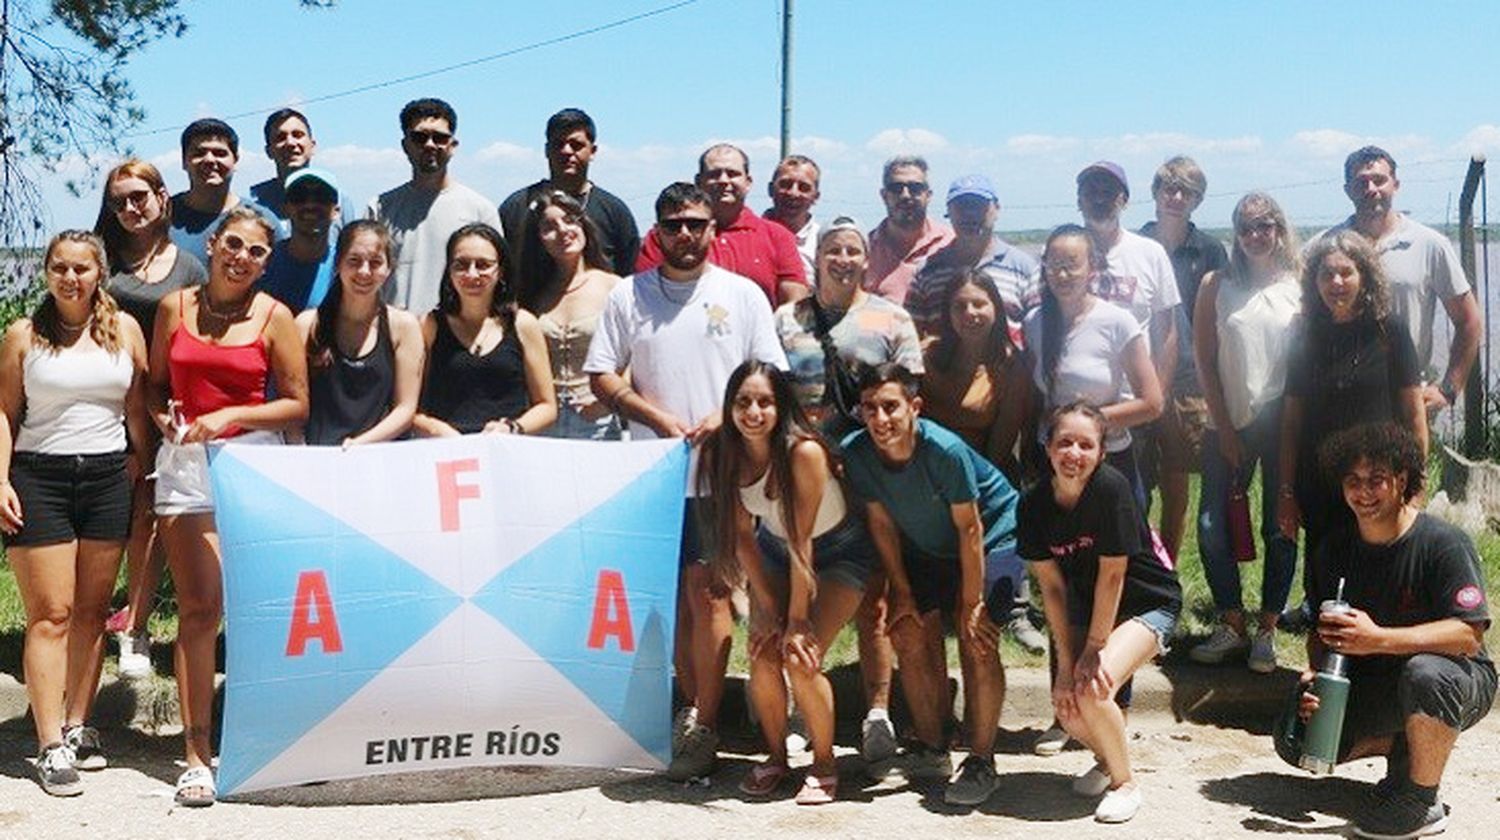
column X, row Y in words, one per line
column 1255, row 334
column 207, row 377
column 831, row 510
column 75, row 401
column 466, row 390
column 968, row 408
column 567, row 347
column 350, row 395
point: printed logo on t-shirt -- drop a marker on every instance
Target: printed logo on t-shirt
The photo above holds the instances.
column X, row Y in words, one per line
column 1116, row 289
column 1469, row 597
column 1071, row 548
column 718, row 320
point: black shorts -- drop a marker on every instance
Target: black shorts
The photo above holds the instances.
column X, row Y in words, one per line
column 693, row 549
column 1455, row 690
column 935, row 581
column 70, row 497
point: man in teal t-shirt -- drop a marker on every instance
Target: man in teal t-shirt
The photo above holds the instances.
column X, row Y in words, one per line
column 939, row 515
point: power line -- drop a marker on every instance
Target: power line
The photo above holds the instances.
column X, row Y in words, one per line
column 427, row 74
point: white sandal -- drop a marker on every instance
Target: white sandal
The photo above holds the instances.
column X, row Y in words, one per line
column 196, row 778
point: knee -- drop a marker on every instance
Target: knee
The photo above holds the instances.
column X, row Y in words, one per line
column 1435, row 686
column 51, row 619
column 199, row 613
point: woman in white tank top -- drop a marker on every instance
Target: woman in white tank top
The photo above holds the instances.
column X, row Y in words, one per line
column 806, row 562
column 72, row 384
column 1242, row 330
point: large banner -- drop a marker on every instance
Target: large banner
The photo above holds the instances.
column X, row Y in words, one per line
column 445, row 603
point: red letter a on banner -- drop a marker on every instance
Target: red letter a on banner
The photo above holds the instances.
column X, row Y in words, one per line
column 312, row 594
column 609, row 598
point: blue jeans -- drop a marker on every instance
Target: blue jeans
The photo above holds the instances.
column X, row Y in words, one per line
column 1259, row 441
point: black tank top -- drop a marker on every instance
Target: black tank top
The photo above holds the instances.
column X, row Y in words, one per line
column 349, row 396
column 467, row 391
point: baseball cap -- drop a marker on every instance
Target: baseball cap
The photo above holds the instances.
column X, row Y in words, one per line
column 1109, row 168
column 975, row 185
column 311, row 175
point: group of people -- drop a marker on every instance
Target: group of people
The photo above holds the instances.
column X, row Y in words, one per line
column 904, row 427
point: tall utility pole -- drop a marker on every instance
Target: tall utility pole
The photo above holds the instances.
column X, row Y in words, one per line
column 1475, row 389
column 786, row 77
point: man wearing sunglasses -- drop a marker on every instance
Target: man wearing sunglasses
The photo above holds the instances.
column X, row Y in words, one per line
column 743, row 242
column 210, row 152
column 905, row 238
column 301, row 267
column 423, row 212
column 681, row 329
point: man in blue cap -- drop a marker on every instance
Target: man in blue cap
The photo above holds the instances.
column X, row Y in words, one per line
column 301, row 269
column 973, row 208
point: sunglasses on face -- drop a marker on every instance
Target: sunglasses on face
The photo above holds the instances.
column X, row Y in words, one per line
column 137, row 198
column 422, row 138
column 310, row 196
column 914, row 188
column 671, row 227
column 235, row 244
column 1262, row 228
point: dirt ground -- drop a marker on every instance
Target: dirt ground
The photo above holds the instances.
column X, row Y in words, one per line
column 1200, row 780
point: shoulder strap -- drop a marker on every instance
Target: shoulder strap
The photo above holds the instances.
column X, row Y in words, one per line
column 269, row 313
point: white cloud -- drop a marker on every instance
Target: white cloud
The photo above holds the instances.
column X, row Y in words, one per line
column 1332, row 143
column 503, row 151
column 1040, row 144
column 1483, row 139
column 906, row 141
column 350, row 156
column 1160, row 144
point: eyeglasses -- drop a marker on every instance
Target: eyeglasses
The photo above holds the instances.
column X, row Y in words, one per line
column 460, row 265
column 1264, row 227
column 914, row 188
column 235, row 244
column 137, row 198
column 672, row 227
column 422, row 138
column 1065, row 269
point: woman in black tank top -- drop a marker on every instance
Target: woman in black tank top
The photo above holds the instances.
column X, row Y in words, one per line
column 364, row 358
column 487, row 366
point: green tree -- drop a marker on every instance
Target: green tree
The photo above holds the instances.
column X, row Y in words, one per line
column 64, row 97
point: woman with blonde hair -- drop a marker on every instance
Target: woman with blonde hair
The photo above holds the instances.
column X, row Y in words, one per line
column 72, row 388
column 1241, row 338
column 135, row 215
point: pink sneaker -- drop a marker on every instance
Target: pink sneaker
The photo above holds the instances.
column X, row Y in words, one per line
column 118, row 621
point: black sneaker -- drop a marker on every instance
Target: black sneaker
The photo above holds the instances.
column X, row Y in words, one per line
column 54, row 770
column 1298, row 619
column 973, row 783
column 1402, row 816
column 88, row 754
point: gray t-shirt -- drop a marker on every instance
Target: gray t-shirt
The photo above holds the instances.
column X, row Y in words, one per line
column 420, row 224
column 140, row 298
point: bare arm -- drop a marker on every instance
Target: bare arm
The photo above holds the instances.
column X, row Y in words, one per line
column 1468, row 330
column 791, row 291
column 614, row 390
column 1164, row 324
column 810, row 471
column 539, row 389
column 159, row 376
column 1146, row 405
column 1355, row 634
column 1414, row 415
column 137, row 417
column 411, row 352
column 1000, row 448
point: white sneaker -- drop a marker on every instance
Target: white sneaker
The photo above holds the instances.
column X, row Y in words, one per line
column 1091, row 782
column 135, row 655
column 1223, row 644
column 1119, row 805
column 1263, row 652
column 1051, row 742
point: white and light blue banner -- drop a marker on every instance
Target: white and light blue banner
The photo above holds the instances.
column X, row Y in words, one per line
column 445, row 603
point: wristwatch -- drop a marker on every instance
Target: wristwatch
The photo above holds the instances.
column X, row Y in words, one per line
column 1449, row 392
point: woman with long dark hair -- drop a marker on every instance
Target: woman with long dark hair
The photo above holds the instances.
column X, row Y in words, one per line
column 135, row 217
column 1241, row 336
column 1111, row 602
column 487, row 368
column 72, row 380
column 806, row 561
column 565, row 282
column 217, row 348
column 364, row 356
column 1351, row 362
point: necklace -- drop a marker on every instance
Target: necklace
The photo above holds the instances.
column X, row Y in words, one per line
column 74, row 329
column 235, row 314
column 142, row 267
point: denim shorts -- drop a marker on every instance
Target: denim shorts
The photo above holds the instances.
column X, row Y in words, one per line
column 1161, row 622
column 70, row 497
column 843, row 555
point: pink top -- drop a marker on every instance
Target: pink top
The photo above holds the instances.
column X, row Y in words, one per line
column 891, row 270
column 207, row 377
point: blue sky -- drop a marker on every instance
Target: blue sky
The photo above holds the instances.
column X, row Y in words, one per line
column 1265, row 95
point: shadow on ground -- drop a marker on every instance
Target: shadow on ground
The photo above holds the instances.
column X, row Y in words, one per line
column 1288, row 804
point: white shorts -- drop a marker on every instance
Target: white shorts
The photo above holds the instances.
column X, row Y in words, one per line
column 182, row 482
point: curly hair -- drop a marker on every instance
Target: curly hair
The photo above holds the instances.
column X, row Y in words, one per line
column 1378, row 444
column 1374, row 291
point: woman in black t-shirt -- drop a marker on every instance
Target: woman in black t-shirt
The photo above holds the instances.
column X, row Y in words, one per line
column 1351, row 362
column 1110, row 601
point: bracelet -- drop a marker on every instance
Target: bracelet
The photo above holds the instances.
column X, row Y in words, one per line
column 1449, row 392
column 514, row 426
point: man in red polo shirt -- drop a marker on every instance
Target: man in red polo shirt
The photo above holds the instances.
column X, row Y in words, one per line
column 745, row 244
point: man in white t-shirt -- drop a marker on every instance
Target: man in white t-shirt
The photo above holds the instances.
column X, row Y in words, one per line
column 1421, row 268
column 423, row 212
column 681, row 329
column 794, row 191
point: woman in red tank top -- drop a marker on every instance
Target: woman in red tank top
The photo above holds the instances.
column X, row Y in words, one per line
column 214, row 348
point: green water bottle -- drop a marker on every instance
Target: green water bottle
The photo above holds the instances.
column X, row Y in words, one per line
column 1320, row 742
